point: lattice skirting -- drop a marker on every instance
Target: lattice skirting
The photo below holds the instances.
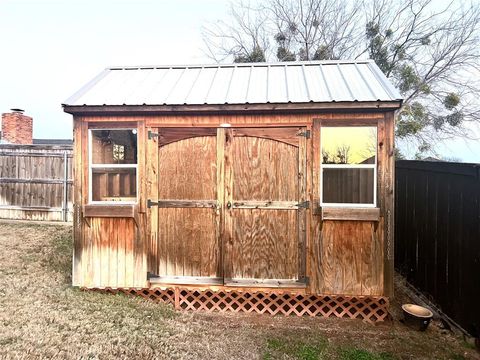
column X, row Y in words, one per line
column 368, row 308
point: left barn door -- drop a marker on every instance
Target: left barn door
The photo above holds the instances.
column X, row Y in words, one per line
column 188, row 249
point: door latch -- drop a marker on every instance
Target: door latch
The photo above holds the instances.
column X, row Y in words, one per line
column 304, row 205
column 151, row 203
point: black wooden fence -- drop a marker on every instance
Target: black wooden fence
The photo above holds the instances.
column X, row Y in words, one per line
column 437, row 232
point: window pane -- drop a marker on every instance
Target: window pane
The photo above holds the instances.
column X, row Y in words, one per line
column 114, row 184
column 349, row 145
column 114, row 146
column 351, row 186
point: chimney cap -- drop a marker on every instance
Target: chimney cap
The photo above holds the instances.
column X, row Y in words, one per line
column 16, row 110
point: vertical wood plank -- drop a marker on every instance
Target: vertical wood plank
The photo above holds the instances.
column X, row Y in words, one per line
column 151, row 164
column 96, row 259
column 228, row 197
column 389, row 203
column 130, row 253
column 141, row 167
column 78, row 271
column 121, row 254
column 302, row 212
column 316, row 239
column 113, row 250
column 220, row 209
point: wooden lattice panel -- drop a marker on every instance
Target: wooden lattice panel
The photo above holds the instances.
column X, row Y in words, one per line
column 368, row 308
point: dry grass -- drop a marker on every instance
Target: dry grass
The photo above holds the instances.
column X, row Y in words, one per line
column 41, row 316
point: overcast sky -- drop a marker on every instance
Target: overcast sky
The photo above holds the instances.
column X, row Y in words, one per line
column 49, row 49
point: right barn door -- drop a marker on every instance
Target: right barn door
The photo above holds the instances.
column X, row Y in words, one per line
column 265, row 206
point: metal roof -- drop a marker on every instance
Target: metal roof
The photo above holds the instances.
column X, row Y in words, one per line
column 252, row 83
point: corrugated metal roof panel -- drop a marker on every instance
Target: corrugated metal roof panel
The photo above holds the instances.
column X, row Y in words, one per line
column 277, row 89
column 317, row 86
column 256, row 83
column 199, row 91
column 217, row 94
column 257, row 86
column 297, row 91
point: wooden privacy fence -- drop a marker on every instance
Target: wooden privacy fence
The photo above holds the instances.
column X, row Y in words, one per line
column 36, row 182
column 437, row 232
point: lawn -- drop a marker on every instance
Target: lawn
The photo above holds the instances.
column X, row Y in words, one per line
column 42, row 316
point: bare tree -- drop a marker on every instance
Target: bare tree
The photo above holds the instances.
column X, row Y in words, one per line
column 316, row 30
column 432, row 54
column 244, row 37
column 343, row 154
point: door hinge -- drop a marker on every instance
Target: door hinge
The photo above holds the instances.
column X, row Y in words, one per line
column 304, row 204
column 305, row 280
column 305, row 133
column 152, row 135
column 151, row 203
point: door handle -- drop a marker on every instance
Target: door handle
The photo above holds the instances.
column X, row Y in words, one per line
column 229, row 205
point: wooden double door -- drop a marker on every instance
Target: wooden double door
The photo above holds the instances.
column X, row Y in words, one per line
column 232, row 206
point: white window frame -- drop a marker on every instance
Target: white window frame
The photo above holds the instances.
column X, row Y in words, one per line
column 351, row 166
column 92, row 166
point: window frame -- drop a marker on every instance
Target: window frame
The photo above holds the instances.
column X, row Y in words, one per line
column 350, row 166
column 92, row 166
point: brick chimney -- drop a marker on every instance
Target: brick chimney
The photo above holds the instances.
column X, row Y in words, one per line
column 17, row 128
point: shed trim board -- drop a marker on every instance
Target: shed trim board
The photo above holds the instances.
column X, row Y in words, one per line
column 231, row 200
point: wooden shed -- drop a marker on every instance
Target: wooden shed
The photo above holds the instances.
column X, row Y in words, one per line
column 262, row 187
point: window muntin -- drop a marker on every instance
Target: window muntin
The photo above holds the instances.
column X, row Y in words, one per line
column 348, row 166
column 113, row 166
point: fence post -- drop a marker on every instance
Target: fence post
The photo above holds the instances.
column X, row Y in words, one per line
column 65, row 186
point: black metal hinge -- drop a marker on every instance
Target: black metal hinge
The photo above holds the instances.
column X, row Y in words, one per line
column 304, row 280
column 305, row 133
column 151, row 203
column 152, row 135
column 304, row 204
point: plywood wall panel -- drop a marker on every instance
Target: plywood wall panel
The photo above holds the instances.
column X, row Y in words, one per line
column 265, row 244
column 264, row 170
column 187, row 242
column 187, row 169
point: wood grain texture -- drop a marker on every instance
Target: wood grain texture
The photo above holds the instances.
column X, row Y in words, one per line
column 302, row 212
column 151, row 165
column 34, row 183
column 343, row 256
column 288, row 135
column 350, row 258
column 220, row 211
column 97, row 210
column 187, row 242
column 228, row 232
column 264, row 169
column 187, row 169
column 264, row 244
column 78, row 271
column 117, row 255
column 187, row 199
column 343, row 213
column 388, row 195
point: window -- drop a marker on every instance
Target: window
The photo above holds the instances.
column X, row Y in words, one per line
column 113, row 166
column 348, row 166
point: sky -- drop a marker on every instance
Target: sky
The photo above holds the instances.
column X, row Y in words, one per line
column 49, row 49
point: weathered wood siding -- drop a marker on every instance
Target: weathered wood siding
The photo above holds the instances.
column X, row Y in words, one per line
column 36, row 182
column 211, row 184
column 108, row 251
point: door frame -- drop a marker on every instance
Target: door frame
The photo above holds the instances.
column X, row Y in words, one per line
column 223, row 222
